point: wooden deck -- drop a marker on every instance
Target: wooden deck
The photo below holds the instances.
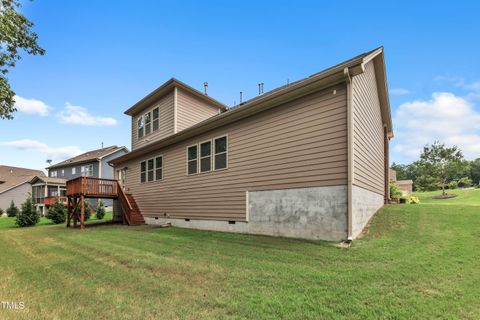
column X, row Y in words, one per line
column 50, row 201
column 92, row 188
column 80, row 188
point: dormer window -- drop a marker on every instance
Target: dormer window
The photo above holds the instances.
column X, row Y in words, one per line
column 148, row 122
column 141, row 124
column 155, row 119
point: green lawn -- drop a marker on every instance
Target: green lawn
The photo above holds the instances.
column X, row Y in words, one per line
column 465, row 197
column 416, row 262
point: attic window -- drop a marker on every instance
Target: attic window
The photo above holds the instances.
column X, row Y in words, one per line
column 140, row 124
column 155, row 119
column 148, row 122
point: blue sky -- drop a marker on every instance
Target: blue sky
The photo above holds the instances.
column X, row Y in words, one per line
column 103, row 56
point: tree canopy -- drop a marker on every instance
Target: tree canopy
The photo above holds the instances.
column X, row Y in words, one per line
column 16, row 35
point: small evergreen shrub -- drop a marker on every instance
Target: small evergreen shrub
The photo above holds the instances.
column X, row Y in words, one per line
column 100, row 210
column 12, row 211
column 88, row 213
column 57, row 213
column 28, row 216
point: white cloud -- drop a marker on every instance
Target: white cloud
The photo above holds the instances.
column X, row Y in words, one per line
column 80, row 115
column 42, row 148
column 446, row 117
column 399, row 91
column 31, row 106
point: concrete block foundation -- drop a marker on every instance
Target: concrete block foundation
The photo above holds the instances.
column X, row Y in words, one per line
column 318, row 213
column 365, row 204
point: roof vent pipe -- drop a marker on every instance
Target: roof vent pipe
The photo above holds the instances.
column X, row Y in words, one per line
column 205, row 88
column 260, row 88
column 241, row 97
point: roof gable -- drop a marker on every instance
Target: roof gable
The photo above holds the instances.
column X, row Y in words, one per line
column 165, row 89
column 15, row 176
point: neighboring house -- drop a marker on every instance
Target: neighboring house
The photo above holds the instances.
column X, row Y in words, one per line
column 15, row 185
column 89, row 164
column 307, row 160
column 46, row 191
column 406, row 186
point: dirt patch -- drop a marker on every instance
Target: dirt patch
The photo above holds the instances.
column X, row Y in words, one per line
column 445, row 196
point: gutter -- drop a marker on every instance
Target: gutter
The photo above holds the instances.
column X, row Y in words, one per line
column 348, row 80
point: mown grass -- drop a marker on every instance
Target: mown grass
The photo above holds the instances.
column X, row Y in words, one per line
column 465, row 197
column 415, row 262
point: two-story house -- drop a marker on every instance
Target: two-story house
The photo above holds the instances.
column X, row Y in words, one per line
column 94, row 163
column 307, row 160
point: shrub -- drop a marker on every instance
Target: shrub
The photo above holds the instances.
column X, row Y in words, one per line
column 465, row 182
column 12, row 211
column 395, row 192
column 452, row 185
column 1, row 212
column 28, row 216
column 87, row 212
column 100, row 210
column 57, row 213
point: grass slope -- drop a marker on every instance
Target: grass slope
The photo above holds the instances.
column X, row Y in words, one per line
column 416, row 262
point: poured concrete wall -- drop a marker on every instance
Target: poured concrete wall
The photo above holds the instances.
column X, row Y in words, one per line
column 318, row 213
column 365, row 204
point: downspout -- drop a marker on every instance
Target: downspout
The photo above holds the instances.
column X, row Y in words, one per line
column 348, row 80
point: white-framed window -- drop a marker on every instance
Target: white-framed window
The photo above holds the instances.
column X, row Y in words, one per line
column 148, row 122
column 159, row 168
column 220, row 146
column 192, row 159
column 87, row 170
column 74, row 170
column 155, row 116
column 151, row 169
column 62, row 173
column 143, row 171
column 53, row 174
column 206, row 156
column 140, row 125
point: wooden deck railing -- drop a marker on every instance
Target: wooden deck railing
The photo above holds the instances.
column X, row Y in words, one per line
column 50, row 201
column 93, row 187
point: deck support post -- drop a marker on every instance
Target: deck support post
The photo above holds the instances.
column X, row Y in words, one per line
column 75, row 213
column 69, row 211
column 82, row 217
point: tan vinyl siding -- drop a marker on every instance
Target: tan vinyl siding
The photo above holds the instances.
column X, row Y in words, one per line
column 302, row 143
column 166, row 116
column 368, row 148
column 18, row 194
column 191, row 110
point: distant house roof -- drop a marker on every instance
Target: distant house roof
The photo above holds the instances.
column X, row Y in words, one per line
column 88, row 156
column 320, row 80
column 48, row 180
column 11, row 177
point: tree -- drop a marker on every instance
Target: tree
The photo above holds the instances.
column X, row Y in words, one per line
column 475, row 171
column 15, row 34
column 28, row 216
column 100, row 210
column 441, row 163
column 465, row 182
column 12, row 211
column 57, row 213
